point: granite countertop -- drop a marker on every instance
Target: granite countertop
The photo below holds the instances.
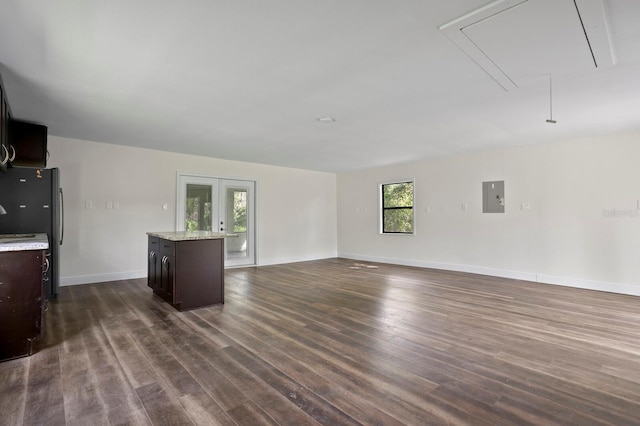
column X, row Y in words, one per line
column 18, row 242
column 190, row 235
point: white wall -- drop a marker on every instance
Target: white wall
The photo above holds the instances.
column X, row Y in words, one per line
column 566, row 238
column 296, row 209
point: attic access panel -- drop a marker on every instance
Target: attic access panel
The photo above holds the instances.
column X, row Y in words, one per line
column 517, row 40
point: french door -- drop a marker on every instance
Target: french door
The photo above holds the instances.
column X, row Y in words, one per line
column 219, row 205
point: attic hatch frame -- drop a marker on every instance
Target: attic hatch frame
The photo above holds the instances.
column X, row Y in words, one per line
column 591, row 16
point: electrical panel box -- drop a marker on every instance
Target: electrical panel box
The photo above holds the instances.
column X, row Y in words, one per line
column 493, row 197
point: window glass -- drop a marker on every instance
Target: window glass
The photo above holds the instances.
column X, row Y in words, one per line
column 397, row 208
column 198, row 208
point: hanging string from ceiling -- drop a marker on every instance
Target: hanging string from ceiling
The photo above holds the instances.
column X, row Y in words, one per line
column 550, row 119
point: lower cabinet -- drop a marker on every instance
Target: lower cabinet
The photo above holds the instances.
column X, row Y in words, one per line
column 187, row 274
column 160, row 270
column 21, row 301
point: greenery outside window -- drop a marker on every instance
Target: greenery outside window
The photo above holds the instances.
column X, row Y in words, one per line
column 397, row 208
column 239, row 211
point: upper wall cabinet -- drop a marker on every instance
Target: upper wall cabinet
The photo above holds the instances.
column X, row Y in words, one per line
column 22, row 144
column 28, row 144
column 7, row 153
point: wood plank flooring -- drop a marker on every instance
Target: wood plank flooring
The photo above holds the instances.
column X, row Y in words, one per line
column 333, row 342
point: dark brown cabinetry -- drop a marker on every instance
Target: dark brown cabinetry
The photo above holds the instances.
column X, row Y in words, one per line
column 22, row 144
column 21, row 301
column 6, row 151
column 187, row 274
column 153, row 266
column 28, row 144
column 161, row 273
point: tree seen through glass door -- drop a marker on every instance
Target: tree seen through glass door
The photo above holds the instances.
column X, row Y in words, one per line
column 198, row 208
column 237, row 220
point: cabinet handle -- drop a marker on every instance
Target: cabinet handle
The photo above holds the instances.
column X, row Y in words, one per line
column 152, row 255
column 47, row 265
column 13, row 156
column 6, row 157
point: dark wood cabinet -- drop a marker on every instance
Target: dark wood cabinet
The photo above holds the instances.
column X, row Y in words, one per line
column 153, row 270
column 22, row 144
column 187, row 274
column 21, row 301
column 160, row 275
column 28, row 144
column 6, row 150
column 167, row 262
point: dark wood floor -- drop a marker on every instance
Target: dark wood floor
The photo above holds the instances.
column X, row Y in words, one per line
column 333, row 342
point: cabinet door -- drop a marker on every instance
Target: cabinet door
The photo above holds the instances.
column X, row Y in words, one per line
column 29, row 141
column 153, row 263
column 4, row 128
column 5, row 115
column 167, row 265
column 22, row 296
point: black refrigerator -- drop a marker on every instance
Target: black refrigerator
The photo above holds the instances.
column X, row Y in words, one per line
column 33, row 201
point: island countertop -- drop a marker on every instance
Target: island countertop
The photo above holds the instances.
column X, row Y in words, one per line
column 190, row 235
column 18, row 242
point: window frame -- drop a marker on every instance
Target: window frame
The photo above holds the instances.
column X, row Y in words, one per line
column 381, row 208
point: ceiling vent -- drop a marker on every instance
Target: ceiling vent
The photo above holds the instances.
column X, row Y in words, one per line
column 515, row 41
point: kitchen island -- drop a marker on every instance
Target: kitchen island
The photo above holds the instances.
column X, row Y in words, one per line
column 186, row 269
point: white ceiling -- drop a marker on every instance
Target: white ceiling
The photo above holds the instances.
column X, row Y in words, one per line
column 248, row 80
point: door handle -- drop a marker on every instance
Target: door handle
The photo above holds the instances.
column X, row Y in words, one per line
column 61, row 216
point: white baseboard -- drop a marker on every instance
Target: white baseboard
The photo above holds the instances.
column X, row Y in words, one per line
column 504, row 273
column 283, row 260
column 129, row 275
column 100, row 278
column 620, row 288
column 628, row 289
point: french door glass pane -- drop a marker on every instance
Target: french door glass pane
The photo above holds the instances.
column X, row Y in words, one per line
column 236, row 215
column 198, row 208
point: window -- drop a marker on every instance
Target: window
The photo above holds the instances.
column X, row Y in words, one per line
column 396, row 200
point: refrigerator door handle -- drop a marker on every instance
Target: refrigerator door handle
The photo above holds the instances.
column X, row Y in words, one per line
column 61, row 216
